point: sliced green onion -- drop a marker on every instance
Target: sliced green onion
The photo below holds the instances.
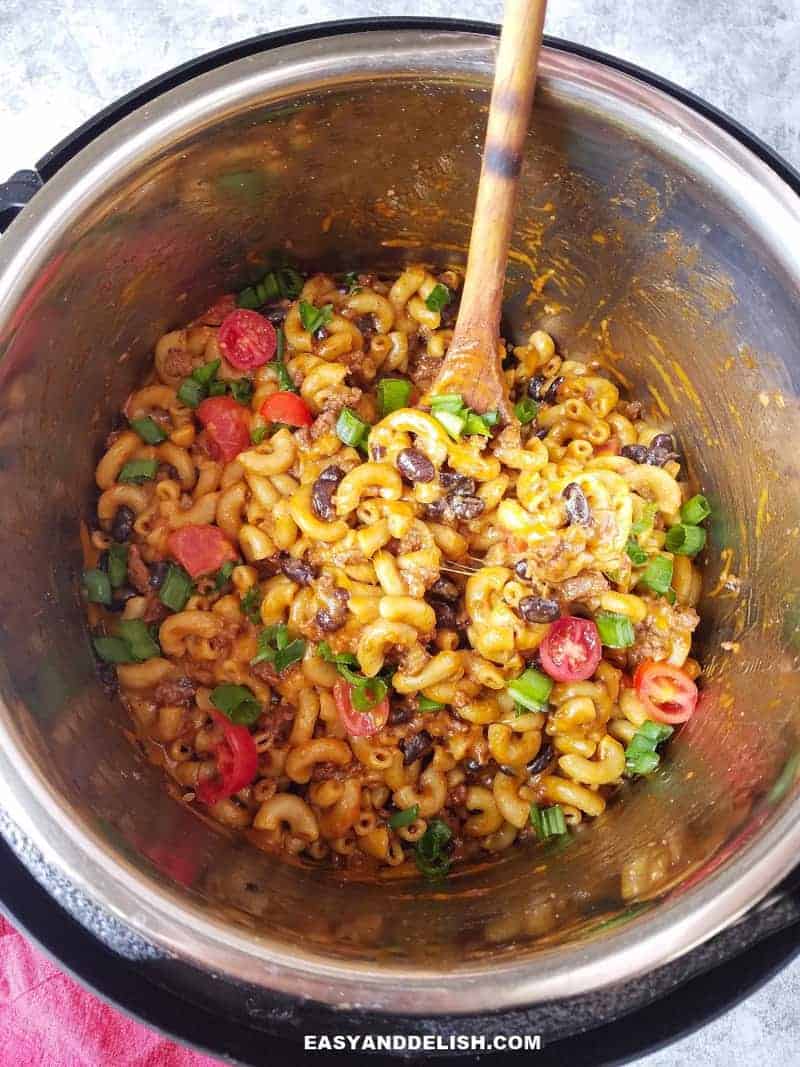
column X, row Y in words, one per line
column 479, row 424
column 117, row 564
column 645, row 523
column 393, row 394
column 526, row 410
column 429, row 851
column 258, row 433
column 137, row 636
column 454, row 424
column 657, row 575
column 136, row 471
column 236, row 702
column 548, row 822
column 223, row 574
column 217, row 388
column 695, row 510
column 282, row 284
column 451, row 402
column 340, row 659
column 616, row 631
column 206, row 374
column 112, row 649
column 149, row 430
column 176, row 588
column 290, row 282
column 350, row 429
column 251, row 604
column 404, row 817
column 438, row 298
column 532, row 689
column 276, row 646
column 426, row 704
column 191, row 393
column 241, row 390
column 248, row 298
column 367, row 693
column 685, row 540
column 640, row 755
column 636, row 554
column 96, row 586
column 313, row 318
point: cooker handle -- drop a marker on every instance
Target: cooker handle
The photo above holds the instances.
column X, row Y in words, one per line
column 15, row 194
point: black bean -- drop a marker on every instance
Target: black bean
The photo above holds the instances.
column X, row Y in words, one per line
column 415, row 466
column 275, row 315
column 521, row 569
column 446, row 615
column 120, row 597
column 122, row 526
column 538, row 609
column 657, row 457
column 444, row 589
column 267, row 567
column 536, row 386
column 542, row 433
column 541, row 760
column 466, row 507
column 437, row 509
column 458, row 483
column 508, row 771
column 414, row 748
column 578, row 510
column 323, row 490
column 334, row 615
column 158, row 573
column 166, row 471
column 551, row 396
column 400, row 714
column 472, row 766
column 638, row 453
column 299, row 571
column 663, row 440
column 377, row 452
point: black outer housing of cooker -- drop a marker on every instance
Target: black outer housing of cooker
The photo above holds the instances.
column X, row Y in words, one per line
column 250, row 1026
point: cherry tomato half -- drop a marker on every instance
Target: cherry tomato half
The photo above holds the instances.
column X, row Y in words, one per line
column 227, row 425
column 287, row 407
column 668, row 693
column 571, row 649
column 200, row 549
column 359, row 723
column 237, row 762
column 246, row 339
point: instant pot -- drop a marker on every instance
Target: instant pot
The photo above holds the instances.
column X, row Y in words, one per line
column 654, row 235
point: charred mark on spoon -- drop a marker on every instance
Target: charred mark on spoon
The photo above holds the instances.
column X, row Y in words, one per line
column 502, row 161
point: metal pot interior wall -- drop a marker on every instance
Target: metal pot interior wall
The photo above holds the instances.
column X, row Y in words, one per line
column 626, row 256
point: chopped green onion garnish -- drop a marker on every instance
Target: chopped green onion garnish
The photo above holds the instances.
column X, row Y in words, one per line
column 480, row 423
column 96, row 586
column 313, row 318
column 276, row 646
column 176, row 588
column 426, row 704
column 191, row 393
column 404, row 817
column 149, row 430
column 282, row 284
column 351, row 281
column 548, row 822
column 340, row 659
column 241, row 390
column 290, row 282
column 526, row 410
column 237, row 702
column 685, row 540
column 616, row 631
column 645, row 523
column 350, row 429
column 248, row 298
column 640, row 755
column 206, row 374
column 136, row 471
column 451, row 402
column 223, row 574
column 636, row 554
column 251, row 604
column 285, row 380
column 258, row 433
column 657, row 575
column 532, row 689
column 438, row 298
column 454, row 424
column 117, row 564
column 695, row 510
column 112, row 649
column 137, row 636
column 217, row 388
column 429, row 855
column 367, row 693
column 393, row 394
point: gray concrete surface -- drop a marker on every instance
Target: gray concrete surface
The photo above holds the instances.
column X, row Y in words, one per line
column 62, row 60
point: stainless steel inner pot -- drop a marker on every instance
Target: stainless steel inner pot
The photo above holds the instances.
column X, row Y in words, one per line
column 648, row 238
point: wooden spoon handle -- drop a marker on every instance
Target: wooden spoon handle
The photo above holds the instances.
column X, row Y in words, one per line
column 509, row 115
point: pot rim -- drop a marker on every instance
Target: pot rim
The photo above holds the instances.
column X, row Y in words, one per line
column 182, row 929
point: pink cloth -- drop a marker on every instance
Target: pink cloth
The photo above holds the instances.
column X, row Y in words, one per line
column 48, row 1020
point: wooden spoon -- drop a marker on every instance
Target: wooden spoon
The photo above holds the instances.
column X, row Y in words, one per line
column 472, row 366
